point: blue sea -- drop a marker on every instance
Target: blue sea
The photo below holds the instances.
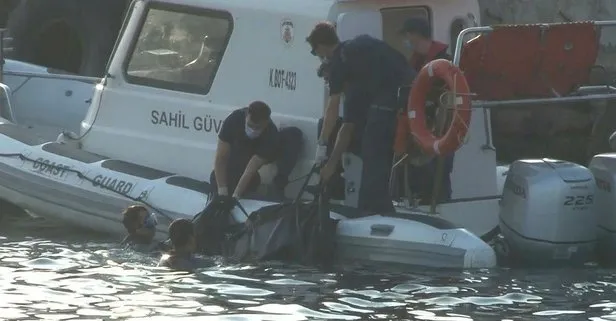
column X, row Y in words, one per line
column 49, row 271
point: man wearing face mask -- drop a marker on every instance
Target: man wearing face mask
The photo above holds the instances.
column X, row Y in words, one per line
column 369, row 71
column 248, row 139
column 418, row 39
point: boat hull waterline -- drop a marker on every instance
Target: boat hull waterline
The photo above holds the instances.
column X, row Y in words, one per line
column 88, row 190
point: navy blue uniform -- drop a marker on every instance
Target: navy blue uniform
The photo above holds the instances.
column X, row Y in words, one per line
column 233, row 132
column 372, row 72
column 283, row 146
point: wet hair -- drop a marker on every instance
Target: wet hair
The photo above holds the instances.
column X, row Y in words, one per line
column 418, row 26
column 180, row 232
column 131, row 219
column 324, row 33
column 259, row 111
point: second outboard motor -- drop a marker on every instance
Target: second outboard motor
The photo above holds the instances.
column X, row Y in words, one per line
column 603, row 167
column 547, row 213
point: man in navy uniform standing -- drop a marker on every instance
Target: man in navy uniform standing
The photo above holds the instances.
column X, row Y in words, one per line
column 369, row 72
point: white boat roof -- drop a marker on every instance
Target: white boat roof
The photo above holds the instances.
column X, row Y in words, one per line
column 317, row 8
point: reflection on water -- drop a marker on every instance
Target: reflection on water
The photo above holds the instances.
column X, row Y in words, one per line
column 53, row 272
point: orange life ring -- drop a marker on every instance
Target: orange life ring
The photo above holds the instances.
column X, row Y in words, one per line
column 416, row 111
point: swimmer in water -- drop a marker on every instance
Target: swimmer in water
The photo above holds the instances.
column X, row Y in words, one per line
column 141, row 227
column 181, row 257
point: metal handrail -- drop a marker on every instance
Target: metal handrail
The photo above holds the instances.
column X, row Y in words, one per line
column 86, row 79
column 607, row 92
column 478, row 30
column 583, row 94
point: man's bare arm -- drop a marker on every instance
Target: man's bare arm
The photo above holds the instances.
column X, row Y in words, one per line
column 330, row 114
column 342, row 142
column 253, row 166
column 220, row 166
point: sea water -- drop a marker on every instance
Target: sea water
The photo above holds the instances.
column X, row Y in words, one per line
column 49, row 271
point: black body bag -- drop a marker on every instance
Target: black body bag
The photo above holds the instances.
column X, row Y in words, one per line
column 295, row 232
column 214, row 225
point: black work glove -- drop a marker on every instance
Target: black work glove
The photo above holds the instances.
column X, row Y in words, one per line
column 225, row 202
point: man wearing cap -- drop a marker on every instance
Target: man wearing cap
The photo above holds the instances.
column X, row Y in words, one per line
column 369, row 72
column 417, row 34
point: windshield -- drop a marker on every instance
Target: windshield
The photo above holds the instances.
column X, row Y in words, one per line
column 179, row 46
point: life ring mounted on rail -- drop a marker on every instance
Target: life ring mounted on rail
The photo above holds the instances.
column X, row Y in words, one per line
column 416, row 109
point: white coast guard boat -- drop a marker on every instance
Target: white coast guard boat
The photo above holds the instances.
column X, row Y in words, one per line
column 29, row 89
column 150, row 132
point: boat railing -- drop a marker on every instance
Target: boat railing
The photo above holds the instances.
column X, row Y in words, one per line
column 582, row 94
column 29, row 75
column 525, row 54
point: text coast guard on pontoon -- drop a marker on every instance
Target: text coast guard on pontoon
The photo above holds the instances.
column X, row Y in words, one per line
column 48, row 167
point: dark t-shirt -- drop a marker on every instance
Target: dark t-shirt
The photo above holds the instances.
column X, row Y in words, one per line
column 373, row 72
column 233, row 131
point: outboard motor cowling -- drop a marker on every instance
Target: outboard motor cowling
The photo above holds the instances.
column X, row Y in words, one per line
column 603, row 167
column 547, row 213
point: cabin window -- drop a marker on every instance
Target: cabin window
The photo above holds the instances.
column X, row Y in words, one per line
column 456, row 27
column 179, row 48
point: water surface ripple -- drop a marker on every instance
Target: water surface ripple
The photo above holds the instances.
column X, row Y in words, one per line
column 53, row 272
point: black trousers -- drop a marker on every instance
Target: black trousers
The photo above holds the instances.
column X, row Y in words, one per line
column 377, row 156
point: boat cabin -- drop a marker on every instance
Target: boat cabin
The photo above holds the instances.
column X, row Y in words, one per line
column 181, row 66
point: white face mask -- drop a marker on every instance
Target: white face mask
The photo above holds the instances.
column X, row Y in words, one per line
column 251, row 133
column 408, row 45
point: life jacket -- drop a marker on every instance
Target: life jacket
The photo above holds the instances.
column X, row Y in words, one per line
column 437, row 50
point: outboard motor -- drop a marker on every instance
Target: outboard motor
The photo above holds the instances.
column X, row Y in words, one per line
column 603, row 167
column 547, row 213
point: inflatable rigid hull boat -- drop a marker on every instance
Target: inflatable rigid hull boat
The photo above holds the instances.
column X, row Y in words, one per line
column 89, row 190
